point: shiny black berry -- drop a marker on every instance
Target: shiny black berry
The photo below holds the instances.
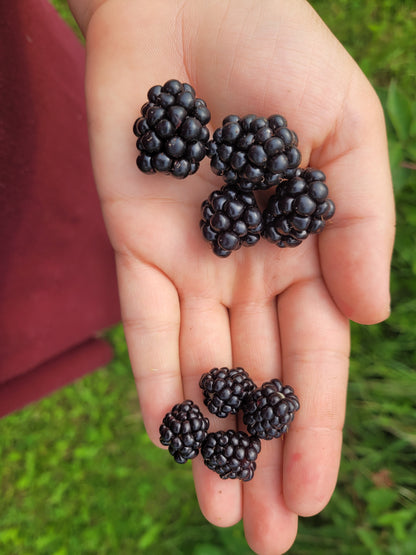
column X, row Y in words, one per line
column 269, row 410
column 183, row 430
column 231, row 454
column 230, row 219
column 171, row 131
column 299, row 207
column 254, row 152
column 225, row 389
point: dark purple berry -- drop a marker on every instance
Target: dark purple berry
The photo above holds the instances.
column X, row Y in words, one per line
column 225, row 389
column 177, row 115
column 150, row 142
column 153, row 93
column 254, row 152
column 195, row 152
column 172, row 125
column 162, row 162
column 230, row 132
column 230, row 219
column 183, row 430
column 190, row 129
column 185, row 99
column 276, row 122
column 164, row 129
column 258, row 123
column 173, row 86
column 269, row 410
column 231, row 454
column 175, row 147
column 299, row 207
column 181, row 168
column 144, row 163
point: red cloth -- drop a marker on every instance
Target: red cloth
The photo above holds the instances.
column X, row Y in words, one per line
column 57, row 276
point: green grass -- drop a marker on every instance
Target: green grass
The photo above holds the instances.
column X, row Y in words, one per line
column 79, row 475
column 379, row 34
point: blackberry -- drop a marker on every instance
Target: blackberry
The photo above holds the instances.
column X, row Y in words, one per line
column 270, row 409
column 225, row 389
column 171, row 131
column 231, row 454
column 298, row 208
column 230, row 218
column 183, row 430
column 254, row 152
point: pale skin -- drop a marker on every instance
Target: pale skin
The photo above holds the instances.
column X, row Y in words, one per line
column 277, row 312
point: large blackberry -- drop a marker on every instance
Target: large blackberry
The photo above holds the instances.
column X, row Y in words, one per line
column 270, row 409
column 231, row 454
column 231, row 218
column 172, row 133
column 225, row 389
column 254, row 152
column 183, row 430
column 298, row 208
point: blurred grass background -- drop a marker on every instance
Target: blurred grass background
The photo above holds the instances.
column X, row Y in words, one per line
column 78, row 474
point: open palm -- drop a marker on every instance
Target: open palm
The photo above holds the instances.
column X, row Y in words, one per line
column 276, row 312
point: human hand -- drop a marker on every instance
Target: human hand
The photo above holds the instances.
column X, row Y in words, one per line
column 276, row 312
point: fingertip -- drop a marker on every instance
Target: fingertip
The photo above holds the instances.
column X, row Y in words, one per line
column 364, row 312
column 152, row 425
column 357, row 273
column 220, row 500
column 153, row 435
column 264, row 548
column 310, row 473
column 269, row 536
column 270, row 526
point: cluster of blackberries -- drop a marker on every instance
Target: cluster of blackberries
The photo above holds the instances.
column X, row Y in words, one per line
column 230, row 219
column 255, row 153
column 171, row 132
column 267, row 411
column 250, row 153
column 299, row 207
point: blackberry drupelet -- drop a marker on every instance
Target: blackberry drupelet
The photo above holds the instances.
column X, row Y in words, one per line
column 171, row 132
column 230, row 219
column 269, row 410
column 225, row 389
column 254, row 152
column 183, row 430
column 298, row 208
column 231, row 454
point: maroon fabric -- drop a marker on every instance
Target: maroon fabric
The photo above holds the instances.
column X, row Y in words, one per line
column 57, row 275
column 52, row 375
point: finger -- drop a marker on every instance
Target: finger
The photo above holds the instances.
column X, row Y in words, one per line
column 205, row 344
column 315, row 353
column 356, row 247
column 150, row 53
column 150, row 313
column 269, row 524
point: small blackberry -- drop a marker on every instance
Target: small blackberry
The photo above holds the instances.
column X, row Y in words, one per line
column 269, row 410
column 254, row 152
column 225, row 389
column 230, row 218
column 231, row 454
column 171, row 132
column 183, row 430
column 298, row 208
